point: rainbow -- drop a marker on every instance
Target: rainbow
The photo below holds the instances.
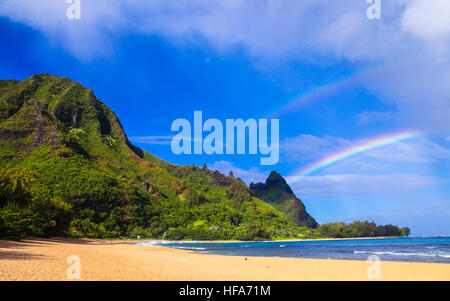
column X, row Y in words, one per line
column 314, row 94
column 360, row 148
column 322, row 92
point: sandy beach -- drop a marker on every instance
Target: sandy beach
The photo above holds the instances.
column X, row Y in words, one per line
column 46, row 259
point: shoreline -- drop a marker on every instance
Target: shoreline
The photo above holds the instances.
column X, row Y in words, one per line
column 46, row 259
column 248, row 241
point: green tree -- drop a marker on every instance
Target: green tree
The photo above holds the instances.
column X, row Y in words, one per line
column 405, row 231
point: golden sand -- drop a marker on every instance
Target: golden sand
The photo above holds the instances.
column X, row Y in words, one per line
column 46, row 259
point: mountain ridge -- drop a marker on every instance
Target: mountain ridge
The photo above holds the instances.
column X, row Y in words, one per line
column 68, row 168
column 276, row 192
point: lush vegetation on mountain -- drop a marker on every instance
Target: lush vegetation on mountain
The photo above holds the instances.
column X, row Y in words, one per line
column 276, row 192
column 68, row 169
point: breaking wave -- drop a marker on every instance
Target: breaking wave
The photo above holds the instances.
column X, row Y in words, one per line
column 420, row 254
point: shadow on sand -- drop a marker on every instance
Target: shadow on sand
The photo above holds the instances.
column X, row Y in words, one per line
column 18, row 249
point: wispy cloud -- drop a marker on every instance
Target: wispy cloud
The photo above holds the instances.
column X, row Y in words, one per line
column 309, row 147
column 398, row 168
column 164, row 140
column 305, row 148
column 160, row 140
column 417, row 21
column 346, row 185
column 416, row 151
column 412, row 39
column 367, row 117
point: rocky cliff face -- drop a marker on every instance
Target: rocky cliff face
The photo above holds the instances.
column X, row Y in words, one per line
column 277, row 193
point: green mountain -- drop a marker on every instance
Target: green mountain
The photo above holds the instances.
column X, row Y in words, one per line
column 277, row 193
column 67, row 168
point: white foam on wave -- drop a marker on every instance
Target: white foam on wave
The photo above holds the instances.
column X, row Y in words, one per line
column 190, row 248
column 159, row 243
column 421, row 254
column 173, row 244
column 155, row 243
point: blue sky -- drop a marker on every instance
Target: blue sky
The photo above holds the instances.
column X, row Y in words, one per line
column 333, row 77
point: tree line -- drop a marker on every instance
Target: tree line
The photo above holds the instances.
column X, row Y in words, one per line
column 361, row 229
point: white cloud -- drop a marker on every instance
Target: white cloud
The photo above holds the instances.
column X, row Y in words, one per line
column 311, row 148
column 160, row 140
column 252, row 175
column 345, row 185
column 428, row 19
column 90, row 37
column 420, row 150
column 411, row 42
column 307, row 147
column 398, row 168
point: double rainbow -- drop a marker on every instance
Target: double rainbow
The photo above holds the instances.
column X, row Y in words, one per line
column 323, row 91
column 360, row 148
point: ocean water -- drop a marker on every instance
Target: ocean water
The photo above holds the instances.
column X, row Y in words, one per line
column 412, row 249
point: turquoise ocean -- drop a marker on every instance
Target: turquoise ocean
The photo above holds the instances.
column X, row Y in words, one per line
column 411, row 249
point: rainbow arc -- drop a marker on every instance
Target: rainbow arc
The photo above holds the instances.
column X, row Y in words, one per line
column 351, row 152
